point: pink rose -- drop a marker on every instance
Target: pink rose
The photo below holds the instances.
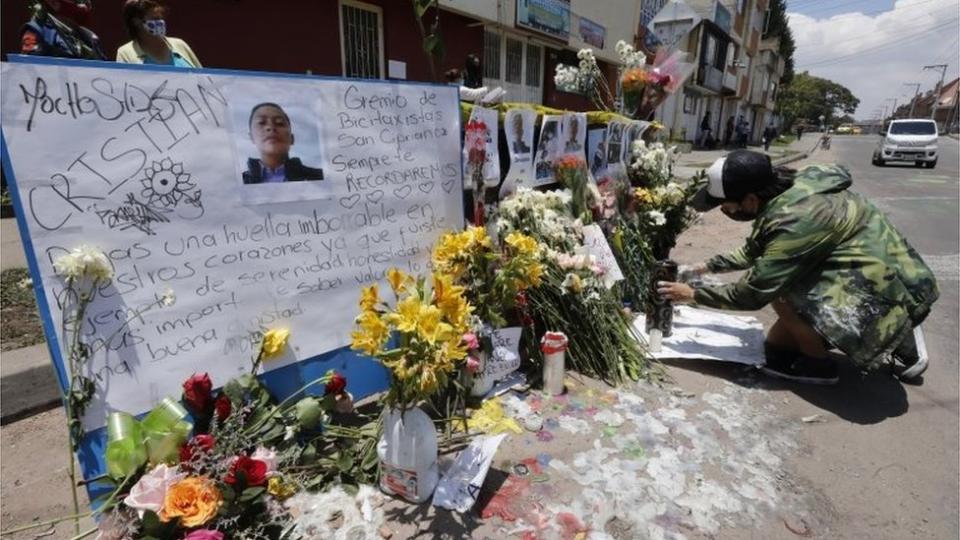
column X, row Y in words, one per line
column 148, row 493
column 473, row 364
column 267, row 456
column 471, row 341
column 204, row 534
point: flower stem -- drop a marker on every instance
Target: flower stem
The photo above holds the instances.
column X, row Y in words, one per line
column 44, row 523
column 81, row 536
column 252, row 429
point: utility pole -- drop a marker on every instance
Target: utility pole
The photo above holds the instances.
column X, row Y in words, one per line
column 913, row 102
column 936, row 93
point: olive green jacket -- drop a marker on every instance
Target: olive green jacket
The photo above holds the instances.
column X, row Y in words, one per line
column 837, row 260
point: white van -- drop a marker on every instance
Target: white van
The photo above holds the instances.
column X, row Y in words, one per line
column 912, row 139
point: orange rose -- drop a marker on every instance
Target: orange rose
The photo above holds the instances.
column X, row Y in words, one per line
column 195, row 500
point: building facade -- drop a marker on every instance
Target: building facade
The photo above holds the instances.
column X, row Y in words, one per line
column 520, row 42
column 724, row 44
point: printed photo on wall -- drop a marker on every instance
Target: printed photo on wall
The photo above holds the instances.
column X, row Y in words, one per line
column 277, row 137
column 548, row 149
column 481, row 148
column 519, row 122
column 597, row 150
column 519, row 125
column 574, row 133
column 614, row 143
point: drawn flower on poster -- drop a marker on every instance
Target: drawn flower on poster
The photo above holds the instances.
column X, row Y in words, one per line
column 165, row 183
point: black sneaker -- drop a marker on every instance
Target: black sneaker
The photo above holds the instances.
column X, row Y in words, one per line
column 910, row 357
column 796, row 367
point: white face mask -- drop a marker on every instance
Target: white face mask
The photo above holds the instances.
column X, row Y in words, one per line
column 156, row 27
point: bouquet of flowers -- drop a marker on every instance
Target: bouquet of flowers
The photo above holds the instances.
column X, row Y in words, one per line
column 427, row 327
column 491, row 278
column 652, row 215
column 233, row 468
column 572, row 173
column 544, row 215
column 642, row 88
column 571, row 298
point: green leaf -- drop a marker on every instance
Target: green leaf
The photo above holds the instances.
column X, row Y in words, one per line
column 151, row 523
column 344, row 461
column 420, row 7
column 252, row 493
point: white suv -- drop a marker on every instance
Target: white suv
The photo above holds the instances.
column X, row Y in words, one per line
column 909, row 140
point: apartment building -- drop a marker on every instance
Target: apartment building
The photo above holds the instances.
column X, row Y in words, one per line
column 734, row 76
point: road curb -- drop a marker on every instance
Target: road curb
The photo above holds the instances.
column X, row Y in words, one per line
column 790, row 159
column 28, row 383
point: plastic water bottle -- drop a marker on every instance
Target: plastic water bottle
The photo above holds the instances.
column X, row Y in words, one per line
column 408, row 455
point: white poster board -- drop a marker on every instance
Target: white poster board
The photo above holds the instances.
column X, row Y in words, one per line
column 147, row 166
column 597, row 246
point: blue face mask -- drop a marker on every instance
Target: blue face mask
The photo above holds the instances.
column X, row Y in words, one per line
column 156, row 27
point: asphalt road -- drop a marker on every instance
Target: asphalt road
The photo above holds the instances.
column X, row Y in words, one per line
column 879, row 458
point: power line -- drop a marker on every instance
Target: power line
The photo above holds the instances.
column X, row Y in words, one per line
column 899, row 41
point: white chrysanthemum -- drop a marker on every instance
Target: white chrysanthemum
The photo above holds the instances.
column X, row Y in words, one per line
column 657, row 217
column 84, row 261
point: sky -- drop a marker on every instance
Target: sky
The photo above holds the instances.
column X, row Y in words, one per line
column 873, row 47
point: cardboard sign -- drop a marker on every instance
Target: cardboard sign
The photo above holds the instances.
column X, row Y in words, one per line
column 596, row 244
column 262, row 201
column 503, row 360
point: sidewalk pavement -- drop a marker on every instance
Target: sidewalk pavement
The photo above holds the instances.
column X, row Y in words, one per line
column 28, row 383
column 11, row 249
column 692, row 162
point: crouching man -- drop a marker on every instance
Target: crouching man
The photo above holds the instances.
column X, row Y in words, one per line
column 834, row 269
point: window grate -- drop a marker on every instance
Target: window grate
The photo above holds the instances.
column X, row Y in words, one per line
column 361, row 42
column 514, row 73
column 533, row 65
column 491, row 55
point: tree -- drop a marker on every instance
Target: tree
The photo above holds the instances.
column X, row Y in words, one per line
column 432, row 43
column 806, row 98
column 777, row 26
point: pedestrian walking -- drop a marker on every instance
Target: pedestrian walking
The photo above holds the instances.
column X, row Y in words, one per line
column 704, row 130
column 799, row 131
column 769, row 135
column 835, row 270
column 149, row 43
column 728, row 133
column 741, row 129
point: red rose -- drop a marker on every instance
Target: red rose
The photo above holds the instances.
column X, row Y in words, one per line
column 336, row 385
column 197, row 393
column 253, row 470
column 223, row 407
column 202, row 443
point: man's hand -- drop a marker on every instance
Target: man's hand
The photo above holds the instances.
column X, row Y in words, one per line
column 676, row 292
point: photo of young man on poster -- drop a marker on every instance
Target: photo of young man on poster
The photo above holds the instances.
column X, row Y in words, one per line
column 271, row 132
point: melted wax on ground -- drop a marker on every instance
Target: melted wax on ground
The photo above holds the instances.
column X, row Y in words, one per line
column 661, row 466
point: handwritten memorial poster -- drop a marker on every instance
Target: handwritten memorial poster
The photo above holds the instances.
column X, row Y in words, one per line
column 261, row 201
